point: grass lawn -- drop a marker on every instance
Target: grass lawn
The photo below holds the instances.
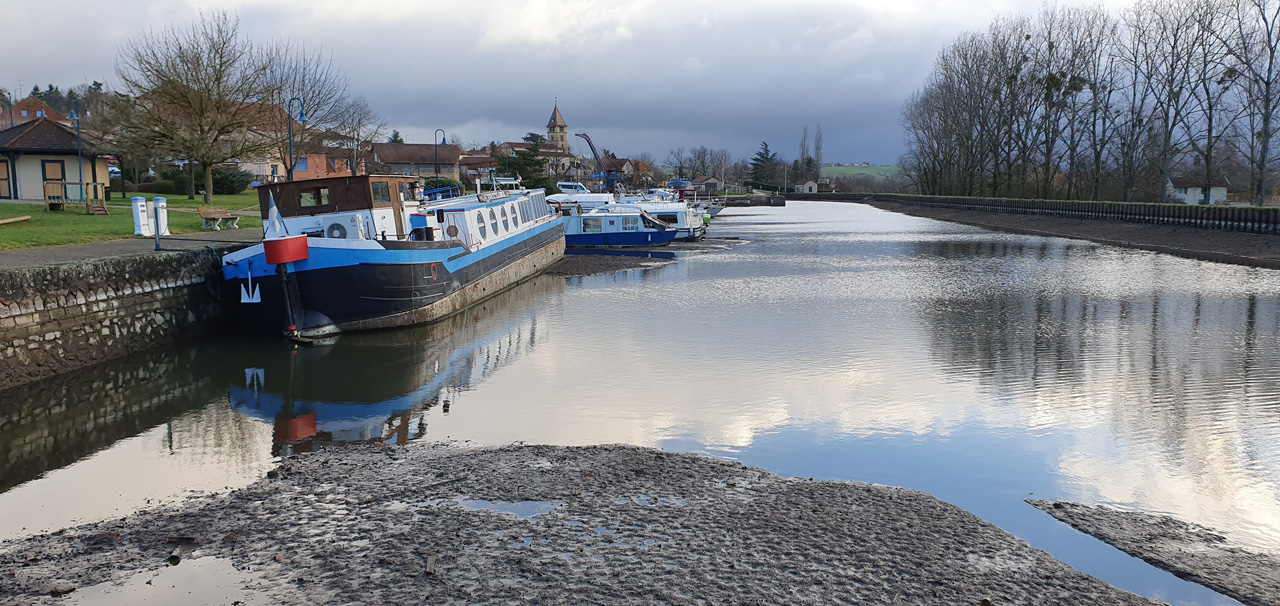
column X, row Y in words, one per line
column 248, row 199
column 854, row 171
column 73, row 225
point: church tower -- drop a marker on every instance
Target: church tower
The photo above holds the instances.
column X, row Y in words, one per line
column 557, row 130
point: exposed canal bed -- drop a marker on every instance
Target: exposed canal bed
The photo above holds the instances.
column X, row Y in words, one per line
column 837, row 342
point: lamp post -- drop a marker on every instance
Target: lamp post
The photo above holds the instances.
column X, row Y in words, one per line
column 440, row 132
column 75, row 105
column 302, row 117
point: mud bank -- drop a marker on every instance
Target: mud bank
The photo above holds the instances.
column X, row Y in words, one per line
column 449, row 523
column 1239, row 248
column 1192, row 552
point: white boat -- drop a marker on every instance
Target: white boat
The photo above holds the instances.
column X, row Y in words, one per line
column 613, row 226
column 687, row 220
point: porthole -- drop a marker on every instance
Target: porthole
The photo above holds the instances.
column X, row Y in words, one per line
column 480, row 222
column 493, row 221
column 505, row 225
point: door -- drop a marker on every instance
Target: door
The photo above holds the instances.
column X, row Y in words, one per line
column 54, row 173
column 5, row 191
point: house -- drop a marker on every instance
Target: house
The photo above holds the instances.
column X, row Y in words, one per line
column 707, row 184
column 31, row 109
column 805, row 186
column 1191, row 190
column 418, row 159
column 38, row 162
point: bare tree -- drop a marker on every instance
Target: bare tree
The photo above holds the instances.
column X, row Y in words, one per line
column 360, row 127
column 1254, row 42
column 817, row 149
column 196, row 94
column 306, row 84
column 1207, row 119
column 679, row 160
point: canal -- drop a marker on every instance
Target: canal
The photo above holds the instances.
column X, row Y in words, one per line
column 835, row 341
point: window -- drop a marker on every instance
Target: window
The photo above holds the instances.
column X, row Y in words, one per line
column 52, row 170
column 275, row 170
column 300, row 166
column 591, row 226
column 515, row 219
column 493, row 221
column 381, row 191
column 324, row 196
column 480, row 222
column 630, row 223
column 24, row 113
column 406, row 191
column 308, row 198
column 669, row 219
column 505, row 226
column 39, row 113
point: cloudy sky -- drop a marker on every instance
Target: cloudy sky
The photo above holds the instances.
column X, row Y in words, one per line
column 647, row 75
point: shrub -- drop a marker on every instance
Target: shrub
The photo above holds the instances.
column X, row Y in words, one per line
column 227, row 181
column 430, row 183
column 162, row 187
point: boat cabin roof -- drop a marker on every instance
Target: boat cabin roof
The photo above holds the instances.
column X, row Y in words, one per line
column 309, row 197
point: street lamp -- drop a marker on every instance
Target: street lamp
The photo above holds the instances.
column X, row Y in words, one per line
column 302, row 117
column 438, row 139
column 74, row 117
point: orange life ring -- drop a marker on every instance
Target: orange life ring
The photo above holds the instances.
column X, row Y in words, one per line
column 434, row 276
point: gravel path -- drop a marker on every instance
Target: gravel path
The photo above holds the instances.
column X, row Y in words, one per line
column 1256, row 250
column 424, row 524
column 1192, row 552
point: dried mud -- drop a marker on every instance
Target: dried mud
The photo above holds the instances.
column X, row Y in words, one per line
column 607, row 524
column 1191, row 552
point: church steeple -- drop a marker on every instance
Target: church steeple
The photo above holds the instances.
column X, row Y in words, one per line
column 557, row 130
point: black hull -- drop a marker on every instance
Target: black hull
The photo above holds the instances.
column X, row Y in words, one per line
column 373, row 295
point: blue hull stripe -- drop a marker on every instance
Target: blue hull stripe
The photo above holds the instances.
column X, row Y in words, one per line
column 636, row 238
column 326, row 258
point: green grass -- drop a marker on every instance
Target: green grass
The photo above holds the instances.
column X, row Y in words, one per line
column 856, row 171
column 74, row 226
column 248, row 199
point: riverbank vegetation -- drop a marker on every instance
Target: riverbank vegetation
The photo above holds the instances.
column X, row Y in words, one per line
column 1080, row 103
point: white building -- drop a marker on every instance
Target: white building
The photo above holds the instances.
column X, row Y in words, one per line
column 1190, row 190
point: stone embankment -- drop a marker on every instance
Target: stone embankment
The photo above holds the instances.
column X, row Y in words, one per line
column 554, row 525
column 1219, row 245
column 57, row 318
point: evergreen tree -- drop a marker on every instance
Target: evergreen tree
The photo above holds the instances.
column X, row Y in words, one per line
column 395, row 137
column 764, row 165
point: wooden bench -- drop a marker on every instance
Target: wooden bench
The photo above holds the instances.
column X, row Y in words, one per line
column 217, row 218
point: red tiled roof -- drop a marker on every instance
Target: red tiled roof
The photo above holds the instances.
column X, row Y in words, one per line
column 415, row 153
column 32, row 106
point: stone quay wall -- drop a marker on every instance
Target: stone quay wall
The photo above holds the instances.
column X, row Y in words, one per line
column 58, row 318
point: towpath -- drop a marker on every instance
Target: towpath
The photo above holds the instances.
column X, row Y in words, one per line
column 88, row 251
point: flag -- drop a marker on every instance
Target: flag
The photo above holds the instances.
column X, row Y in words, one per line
column 519, row 179
column 274, row 226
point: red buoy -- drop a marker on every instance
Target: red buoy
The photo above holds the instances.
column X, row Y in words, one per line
column 285, row 250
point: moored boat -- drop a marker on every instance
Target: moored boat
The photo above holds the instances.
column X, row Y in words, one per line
column 358, row 253
column 613, row 226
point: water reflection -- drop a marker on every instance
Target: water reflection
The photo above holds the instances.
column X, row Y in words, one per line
column 377, row 387
column 839, row 342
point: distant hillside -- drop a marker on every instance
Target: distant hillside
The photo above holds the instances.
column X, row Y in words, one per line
column 853, row 171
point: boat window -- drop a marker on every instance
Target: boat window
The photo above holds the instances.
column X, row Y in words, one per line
column 515, row 218
column 480, row 222
column 308, row 198
column 493, row 221
column 406, row 192
column 505, row 225
column 630, row 223
column 591, row 226
column 669, row 219
column 381, row 191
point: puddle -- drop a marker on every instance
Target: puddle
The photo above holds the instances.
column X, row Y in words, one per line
column 204, row 581
column 524, row 510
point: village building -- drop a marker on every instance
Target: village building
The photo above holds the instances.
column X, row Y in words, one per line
column 30, row 110
column 805, row 186
column 707, row 184
column 418, row 159
column 38, row 161
column 1191, row 190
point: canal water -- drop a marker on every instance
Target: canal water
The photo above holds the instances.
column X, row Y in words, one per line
column 836, row 341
